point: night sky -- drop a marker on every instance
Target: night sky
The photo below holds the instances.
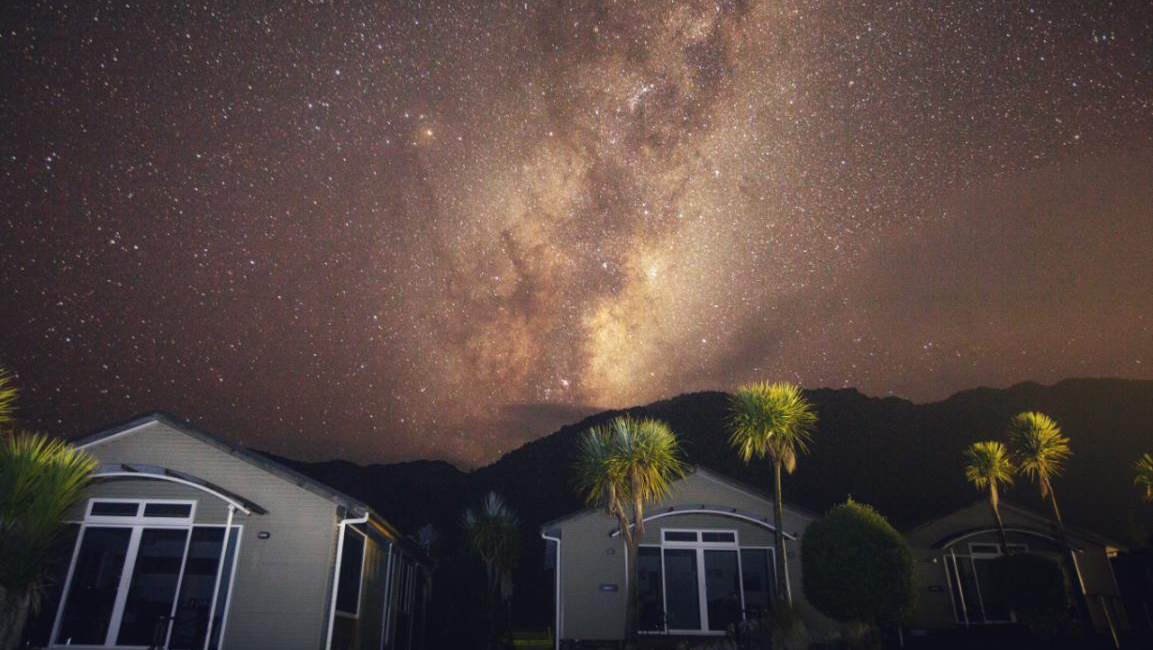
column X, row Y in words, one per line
column 397, row 230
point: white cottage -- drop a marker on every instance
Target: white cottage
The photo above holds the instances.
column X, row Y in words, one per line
column 706, row 561
column 188, row 541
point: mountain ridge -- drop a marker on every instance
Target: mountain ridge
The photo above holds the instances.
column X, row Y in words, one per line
column 903, row 458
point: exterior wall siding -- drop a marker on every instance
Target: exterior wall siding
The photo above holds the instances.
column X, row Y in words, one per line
column 280, row 596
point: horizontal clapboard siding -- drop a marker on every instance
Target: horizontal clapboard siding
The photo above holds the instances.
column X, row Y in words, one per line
column 281, row 594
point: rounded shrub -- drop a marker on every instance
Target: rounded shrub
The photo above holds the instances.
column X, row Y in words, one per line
column 1034, row 588
column 857, row 567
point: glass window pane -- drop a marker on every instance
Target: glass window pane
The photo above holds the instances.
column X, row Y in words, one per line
column 225, row 586
column 722, row 589
column 114, row 509
column 680, row 536
column 352, row 555
column 195, row 599
column 995, row 608
column 650, row 613
column 759, row 581
column 39, row 626
column 88, row 609
column 179, row 510
column 966, row 585
column 681, row 595
column 718, row 537
column 153, row 586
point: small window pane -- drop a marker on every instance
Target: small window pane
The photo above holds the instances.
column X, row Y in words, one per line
column 984, row 548
column 758, row 580
column 348, row 591
column 114, row 509
column 650, row 595
column 680, row 536
column 718, row 537
column 180, row 510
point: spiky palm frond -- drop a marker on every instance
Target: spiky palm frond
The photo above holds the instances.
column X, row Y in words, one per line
column 597, row 479
column 1039, row 449
column 627, row 463
column 40, row 479
column 493, row 532
column 771, row 419
column 8, row 394
column 1144, row 478
column 988, row 467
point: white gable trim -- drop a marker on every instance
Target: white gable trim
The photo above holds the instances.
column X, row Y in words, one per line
column 120, row 434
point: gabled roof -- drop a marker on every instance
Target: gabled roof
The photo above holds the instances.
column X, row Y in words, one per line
column 1044, row 522
column 227, row 446
column 354, row 507
column 703, row 472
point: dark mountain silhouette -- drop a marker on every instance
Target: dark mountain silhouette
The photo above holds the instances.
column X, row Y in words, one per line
column 901, row 457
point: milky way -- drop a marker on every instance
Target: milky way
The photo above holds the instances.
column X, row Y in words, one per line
column 386, row 231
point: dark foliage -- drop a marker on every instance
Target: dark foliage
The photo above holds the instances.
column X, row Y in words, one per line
column 857, row 566
column 1034, row 588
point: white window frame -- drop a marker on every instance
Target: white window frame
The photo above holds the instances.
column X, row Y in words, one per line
column 770, row 551
column 960, row 601
column 140, row 519
column 702, row 598
column 359, row 577
column 137, row 524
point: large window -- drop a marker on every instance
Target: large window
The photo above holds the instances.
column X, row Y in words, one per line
column 143, row 574
column 970, row 583
column 701, row 581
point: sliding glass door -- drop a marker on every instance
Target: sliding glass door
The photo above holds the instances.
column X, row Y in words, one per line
column 190, row 624
column 701, row 582
column 152, row 589
column 682, row 589
column 95, row 582
column 138, row 585
column 722, row 589
column 970, row 578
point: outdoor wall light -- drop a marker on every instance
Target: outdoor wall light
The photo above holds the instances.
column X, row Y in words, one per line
column 264, row 534
column 610, row 551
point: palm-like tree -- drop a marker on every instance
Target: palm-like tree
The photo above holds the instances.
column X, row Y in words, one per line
column 7, row 397
column 493, row 532
column 988, row 467
column 1040, row 452
column 1144, row 478
column 40, row 479
column 774, row 420
column 621, row 467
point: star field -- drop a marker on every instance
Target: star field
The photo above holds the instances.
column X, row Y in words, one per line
column 396, row 230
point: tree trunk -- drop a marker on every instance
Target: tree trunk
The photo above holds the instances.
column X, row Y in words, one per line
column 1079, row 600
column 631, row 594
column 631, row 542
column 779, row 532
column 493, row 607
column 13, row 615
column 1000, row 522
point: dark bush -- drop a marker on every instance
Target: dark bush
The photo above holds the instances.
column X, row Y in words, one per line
column 857, row 567
column 1034, row 588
